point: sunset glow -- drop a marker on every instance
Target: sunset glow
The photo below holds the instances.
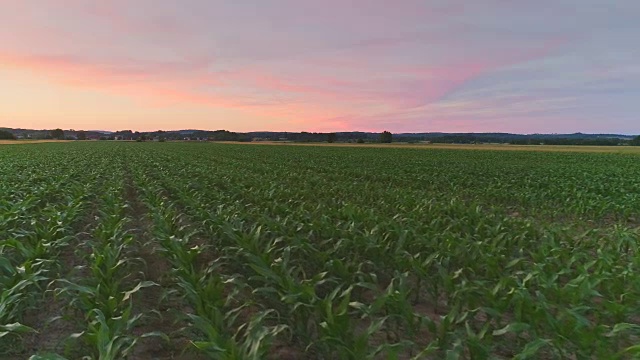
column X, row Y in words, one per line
column 291, row 65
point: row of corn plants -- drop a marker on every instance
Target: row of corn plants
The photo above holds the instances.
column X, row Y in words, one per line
column 39, row 214
column 293, row 295
column 478, row 297
column 392, row 253
column 227, row 326
column 100, row 291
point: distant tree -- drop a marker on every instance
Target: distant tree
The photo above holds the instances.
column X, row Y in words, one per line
column 57, row 134
column 81, row 135
column 5, row 135
column 636, row 141
column 386, row 137
column 331, row 137
column 360, row 141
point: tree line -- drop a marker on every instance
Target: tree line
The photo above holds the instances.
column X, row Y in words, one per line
column 357, row 137
column 5, row 135
column 518, row 140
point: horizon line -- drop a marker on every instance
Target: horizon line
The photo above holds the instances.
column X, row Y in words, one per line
column 337, row 132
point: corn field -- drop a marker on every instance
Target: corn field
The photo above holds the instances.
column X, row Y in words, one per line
column 216, row 251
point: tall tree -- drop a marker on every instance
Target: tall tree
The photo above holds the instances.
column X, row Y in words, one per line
column 57, row 134
column 331, row 137
column 636, row 141
column 5, row 135
column 81, row 135
column 386, row 137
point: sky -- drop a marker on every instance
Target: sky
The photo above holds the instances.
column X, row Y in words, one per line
column 545, row 66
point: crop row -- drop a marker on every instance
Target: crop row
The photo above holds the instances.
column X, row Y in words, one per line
column 323, row 253
column 468, row 278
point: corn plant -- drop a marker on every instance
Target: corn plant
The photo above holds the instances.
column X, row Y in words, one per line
column 328, row 252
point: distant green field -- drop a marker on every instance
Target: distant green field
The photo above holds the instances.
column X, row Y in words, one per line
column 117, row 250
column 503, row 147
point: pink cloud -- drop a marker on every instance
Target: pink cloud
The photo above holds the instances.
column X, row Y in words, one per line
column 367, row 85
column 160, row 84
column 166, row 83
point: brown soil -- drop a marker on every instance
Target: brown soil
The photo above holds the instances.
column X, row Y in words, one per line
column 287, row 353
